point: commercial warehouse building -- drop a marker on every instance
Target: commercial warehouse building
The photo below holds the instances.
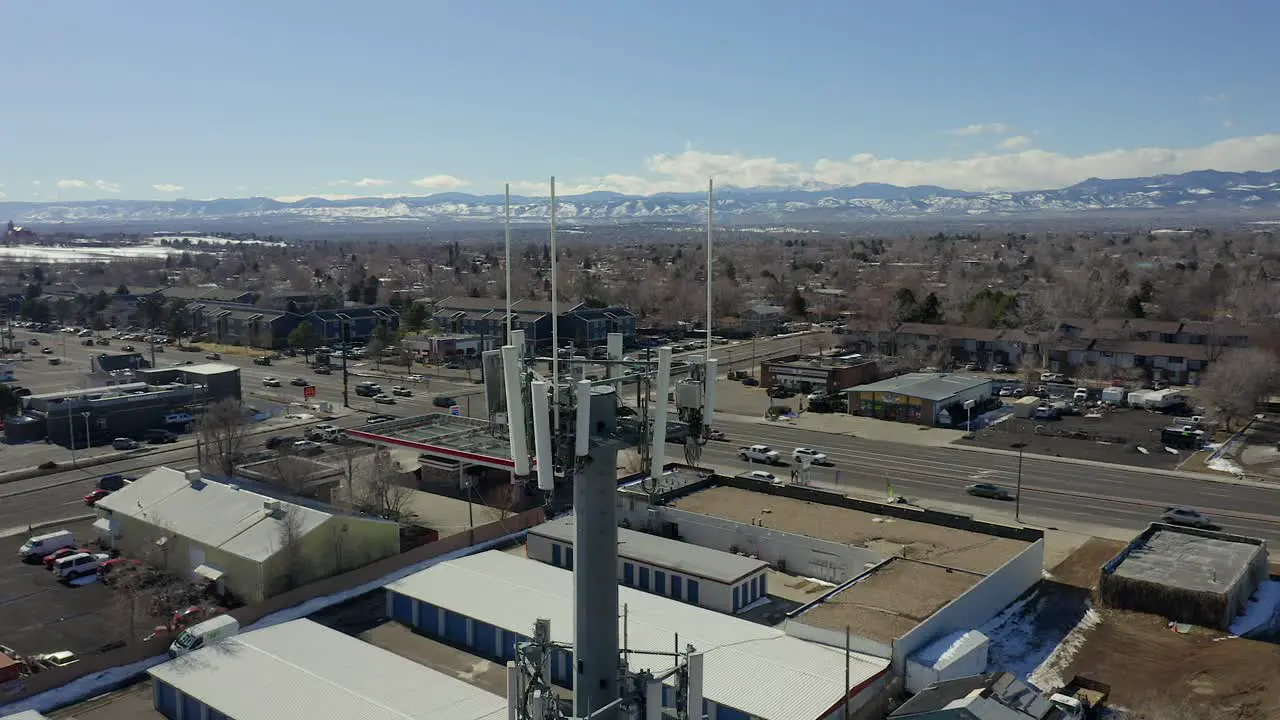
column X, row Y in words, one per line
column 251, row 545
column 920, row 398
column 488, row 602
column 816, row 373
column 708, row 578
column 301, row 669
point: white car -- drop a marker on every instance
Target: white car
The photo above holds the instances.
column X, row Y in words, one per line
column 401, row 391
column 78, row 565
column 809, row 455
column 307, row 447
column 416, row 378
column 1080, row 395
column 384, row 399
column 765, row 476
column 270, row 382
column 1188, row 517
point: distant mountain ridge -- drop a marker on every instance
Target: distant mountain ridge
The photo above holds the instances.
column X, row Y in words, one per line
column 1197, row 192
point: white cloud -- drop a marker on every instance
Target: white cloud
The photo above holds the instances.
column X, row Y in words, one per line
column 167, row 188
column 72, row 184
column 441, row 182
column 1228, row 123
column 981, row 129
column 1017, row 142
column 106, row 186
column 35, row 182
column 1217, row 99
column 78, row 184
column 332, row 196
column 1030, row 169
column 362, row 182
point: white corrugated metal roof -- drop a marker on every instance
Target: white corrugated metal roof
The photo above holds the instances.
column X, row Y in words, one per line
column 210, row 513
column 302, row 670
column 757, row 669
column 690, row 559
column 26, row 715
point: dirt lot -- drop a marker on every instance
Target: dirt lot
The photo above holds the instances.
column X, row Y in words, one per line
column 1114, row 438
column 1167, row 675
column 1261, row 454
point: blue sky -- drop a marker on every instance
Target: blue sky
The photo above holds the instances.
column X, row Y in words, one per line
column 284, row 98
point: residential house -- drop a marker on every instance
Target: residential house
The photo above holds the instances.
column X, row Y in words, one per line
column 578, row 323
column 211, row 294
column 250, row 545
column 362, row 323
column 762, row 319
column 298, row 302
column 236, row 324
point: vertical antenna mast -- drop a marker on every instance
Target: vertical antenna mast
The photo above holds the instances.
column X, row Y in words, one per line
column 555, row 314
column 507, row 233
column 711, row 210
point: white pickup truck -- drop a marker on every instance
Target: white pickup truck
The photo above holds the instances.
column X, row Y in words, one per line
column 760, row 454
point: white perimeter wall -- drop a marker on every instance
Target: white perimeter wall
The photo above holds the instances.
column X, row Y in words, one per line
column 825, row 636
column 794, row 554
column 978, row 605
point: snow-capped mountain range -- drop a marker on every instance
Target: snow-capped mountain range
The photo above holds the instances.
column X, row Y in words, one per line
column 1209, row 192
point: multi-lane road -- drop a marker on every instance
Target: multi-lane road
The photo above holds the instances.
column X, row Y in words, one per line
column 1053, row 491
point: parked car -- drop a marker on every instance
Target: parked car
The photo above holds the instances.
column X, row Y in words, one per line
column 279, row 441
column 988, row 490
column 78, row 565
column 123, row 443
column 1080, row 395
column 56, row 555
column 62, row 658
column 299, row 382
column 401, row 391
column 306, row 447
column 40, row 545
column 384, row 399
column 763, row 475
column 94, row 496
column 777, row 391
column 379, row 418
column 1188, row 517
column 270, row 382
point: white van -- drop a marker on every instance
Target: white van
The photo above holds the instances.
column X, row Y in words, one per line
column 204, row 634
column 41, row 545
column 78, row 565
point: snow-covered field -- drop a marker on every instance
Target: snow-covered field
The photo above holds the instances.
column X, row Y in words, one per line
column 1036, row 637
column 1262, row 614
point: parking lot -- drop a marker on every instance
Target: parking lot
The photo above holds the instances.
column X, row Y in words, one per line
column 39, row 614
column 1124, row 436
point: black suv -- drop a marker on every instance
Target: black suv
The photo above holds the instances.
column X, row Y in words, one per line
column 159, row 437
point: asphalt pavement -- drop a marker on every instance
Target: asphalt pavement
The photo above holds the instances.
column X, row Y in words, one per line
column 1052, row 489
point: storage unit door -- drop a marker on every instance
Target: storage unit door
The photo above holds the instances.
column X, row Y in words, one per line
column 191, row 708
column 402, row 609
column 484, row 638
column 429, row 619
column 166, row 700
column 455, row 627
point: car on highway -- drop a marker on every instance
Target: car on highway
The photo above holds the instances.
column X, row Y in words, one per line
column 94, row 496
column 213, row 356
column 750, row 382
column 325, row 433
column 384, row 399
column 323, row 370
column 160, row 437
column 809, row 455
column 47, row 351
column 375, row 419
column 124, row 443
column 714, row 434
column 416, row 378
column 299, row 382
column 127, row 348
column 779, row 392
column 989, row 491
column 763, row 475
column 279, row 441
column 270, row 382
column 33, row 341
column 443, row 401
column 88, row 342
column 1187, row 517
column 401, row 391
column 263, row 360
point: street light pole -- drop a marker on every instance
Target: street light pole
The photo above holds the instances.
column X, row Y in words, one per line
column 87, row 441
column 1017, row 506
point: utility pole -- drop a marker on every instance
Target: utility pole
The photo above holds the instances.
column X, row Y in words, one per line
column 1017, row 506
column 344, row 333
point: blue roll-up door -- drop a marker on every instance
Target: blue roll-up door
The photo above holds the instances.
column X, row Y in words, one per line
column 724, row 712
column 644, row 578
column 402, row 609
column 484, row 638
column 166, row 700
column 693, row 591
column 659, row 582
column 763, row 590
column 555, row 554
column 455, row 627
column 568, row 557
column 735, row 599
column 429, row 619
column 677, row 587
column 191, row 708
column 628, row 574
column 569, row 670
column 215, row 715
column 557, row 667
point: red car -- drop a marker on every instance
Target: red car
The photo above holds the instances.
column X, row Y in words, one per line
column 92, row 498
column 105, row 568
column 58, row 554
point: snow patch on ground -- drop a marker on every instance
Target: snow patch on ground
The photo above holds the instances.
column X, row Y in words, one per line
column 1049, row 675
column 1261, row 610
column 1025, row 634
column 1225, row 465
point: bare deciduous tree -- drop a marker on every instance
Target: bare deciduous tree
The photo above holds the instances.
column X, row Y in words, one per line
column 379, row 493
column 1235, row 383
column 289, row 537
column 221, row 432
